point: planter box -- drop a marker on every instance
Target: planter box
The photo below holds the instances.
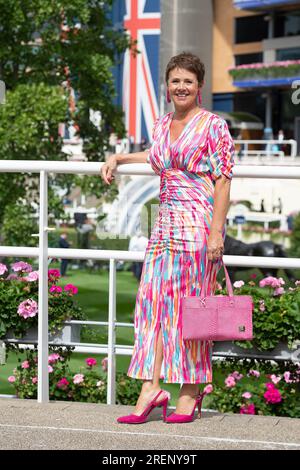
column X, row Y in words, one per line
column 69, row 333
column 280, row 353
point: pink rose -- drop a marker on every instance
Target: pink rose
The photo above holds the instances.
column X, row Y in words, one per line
column 247, row 395
column 34, row 380
column 11, row 379
column 25, row 365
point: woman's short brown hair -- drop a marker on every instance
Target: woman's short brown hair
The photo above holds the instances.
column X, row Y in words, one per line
column 187, row 61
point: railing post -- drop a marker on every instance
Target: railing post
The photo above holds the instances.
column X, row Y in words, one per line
column 111, row 366
column 43, row 374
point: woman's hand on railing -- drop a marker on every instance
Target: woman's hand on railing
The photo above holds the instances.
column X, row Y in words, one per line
column 108, row 168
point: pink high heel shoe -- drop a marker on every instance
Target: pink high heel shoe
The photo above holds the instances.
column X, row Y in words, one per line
column 139, row 419
column 178, row 418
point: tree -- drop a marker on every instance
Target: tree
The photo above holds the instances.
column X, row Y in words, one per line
column 47, row 49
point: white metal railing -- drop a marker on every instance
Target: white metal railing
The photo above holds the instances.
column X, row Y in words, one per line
column 267, row 151
column 43, row 252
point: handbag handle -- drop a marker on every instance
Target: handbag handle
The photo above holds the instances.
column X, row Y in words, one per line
column 207, row 278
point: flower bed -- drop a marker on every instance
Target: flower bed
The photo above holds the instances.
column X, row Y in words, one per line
column 88, row 384
column 19, row 300
column 287, row 68
column 256, row 387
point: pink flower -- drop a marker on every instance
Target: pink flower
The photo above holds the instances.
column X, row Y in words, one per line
column 272, row 281
column 236, row 375
column 275, row 379
column 11, row 379
column 25, row 365
column 32, row 277
column 53, row 275
column 297, row 283
column 272, row 395
column 21, row 266
column 247, row 409
column 262, row 307
column 72, row 290
column 55, row 290
column 28, row 308
column 247, row 395
column 91, row 362
column 253, row 276
column 78, row 378
column 53, row 358
column 12, row 277
column 50, row 369
column 238, row 284
column 63, row 383
column 255, row 373
column 3, row 268
column 230, row 382
column 287, row 377
column 279, row 291
column 104, row 364
column 34, row 380
column 208, row 389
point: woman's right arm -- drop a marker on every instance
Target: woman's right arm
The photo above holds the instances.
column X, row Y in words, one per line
column 113, row 161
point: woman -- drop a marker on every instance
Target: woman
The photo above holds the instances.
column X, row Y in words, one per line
column 192, row 151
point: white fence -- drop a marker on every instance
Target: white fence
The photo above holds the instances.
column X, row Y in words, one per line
column 43, row 252
column 269, row 150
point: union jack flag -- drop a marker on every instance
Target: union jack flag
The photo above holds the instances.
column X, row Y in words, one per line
column 140, row 71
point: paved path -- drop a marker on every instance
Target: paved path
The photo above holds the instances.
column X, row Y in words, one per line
column 25, row 424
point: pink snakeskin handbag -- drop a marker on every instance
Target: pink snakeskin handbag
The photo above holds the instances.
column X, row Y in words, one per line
column 217, row 318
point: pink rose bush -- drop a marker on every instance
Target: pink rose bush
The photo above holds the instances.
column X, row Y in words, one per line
column 19, row 300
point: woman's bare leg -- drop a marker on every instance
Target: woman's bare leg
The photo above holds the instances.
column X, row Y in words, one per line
column 151, row 387
column 186, row 399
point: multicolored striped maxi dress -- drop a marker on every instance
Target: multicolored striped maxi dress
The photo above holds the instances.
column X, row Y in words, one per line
column 176, row 255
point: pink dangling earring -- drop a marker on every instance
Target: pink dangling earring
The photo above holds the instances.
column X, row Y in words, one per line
column 168, row 97
column 199, row 95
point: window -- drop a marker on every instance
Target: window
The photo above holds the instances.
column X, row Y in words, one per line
column 242, row 59
column 293, row 53
column 287, row 24
column 250, row 29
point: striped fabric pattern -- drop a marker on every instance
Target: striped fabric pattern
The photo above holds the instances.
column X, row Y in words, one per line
column 176, row 254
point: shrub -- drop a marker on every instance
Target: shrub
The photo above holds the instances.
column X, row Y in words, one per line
column 19, row 300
